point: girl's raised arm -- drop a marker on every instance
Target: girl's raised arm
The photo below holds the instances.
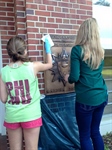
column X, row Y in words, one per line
column 39, row 66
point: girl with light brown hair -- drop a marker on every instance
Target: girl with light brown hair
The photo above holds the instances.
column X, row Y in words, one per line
column 20, row 93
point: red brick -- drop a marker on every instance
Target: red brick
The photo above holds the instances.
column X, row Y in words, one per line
column 9, row 1
column 11, row 33
column 89, row 3
column 38, row 35
column 73, row 32
column 21, row 3
column 32, row 18
column 6, row 9
column 31, row 1
column 48, row 25
column 38, row 1
column 4, row 42
column 1, row 4
column 83, row 17
column 40, row 48
column 5, row 61
column 66, row 0
column 73, row 1
column 30, row 24
column 2, row 13
column 81, row 1
column 59, row 31
column 35, row 30
column 20, row 25
column 4, row 51
column 72, row 11
column 85, row 7
column 31, row 35
column 43, row 30
column 65, row 10
column 10, row 4
column 42, row 19
column 81, row 12
column 20, row 14
column 20, row 8
column 33, row 53
column 41, row 80
column 64, row 26
column 30, row 11
column 7, row 18
column 76, row 27
column 71, row 16
column 58, row 20
column 51, row 31
column 2, row 23
column 39, row 75
column 58, row 9
column 32, row 47
column 89, row 13
column 42, row 13
column 62, row 4
column 12, row 23
column 56, row 14
column 11, row 14
column 21, row 20
column 33, row 41
column 76, row 6
column 42, row 91
column 72, row 21
column 7, row 28
column 39, row 24
column 50, row 8
column 42, row 7
column 31, row 5
column 3, row 32
column 51, row 20
column 66, row 31
column 6, row 56
column 79, row 21
column 20, row 31
column 66, row 21
column 47, row 2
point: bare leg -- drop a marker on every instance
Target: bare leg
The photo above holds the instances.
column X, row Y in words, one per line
column 31, row 137
column 15, row 138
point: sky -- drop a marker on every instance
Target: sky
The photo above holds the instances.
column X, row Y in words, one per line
column 103, row 16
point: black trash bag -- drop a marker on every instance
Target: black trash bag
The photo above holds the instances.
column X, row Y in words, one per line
column 59, row 130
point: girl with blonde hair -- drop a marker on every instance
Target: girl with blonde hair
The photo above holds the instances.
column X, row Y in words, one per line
column 86, row 64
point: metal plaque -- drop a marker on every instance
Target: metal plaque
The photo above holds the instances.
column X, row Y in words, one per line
column 54, row 77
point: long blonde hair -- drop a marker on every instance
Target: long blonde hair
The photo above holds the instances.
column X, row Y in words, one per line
column 88, row 38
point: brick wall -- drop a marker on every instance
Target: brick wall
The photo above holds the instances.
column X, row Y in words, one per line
column 7, row 28
column 31, row 18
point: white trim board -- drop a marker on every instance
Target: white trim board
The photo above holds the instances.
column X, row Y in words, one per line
column 2, row 109
column 106, row 124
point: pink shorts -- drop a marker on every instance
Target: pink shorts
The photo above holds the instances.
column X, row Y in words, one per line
column 25, row 125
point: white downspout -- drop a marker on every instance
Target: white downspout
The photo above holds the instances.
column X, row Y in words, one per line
column 2, row 108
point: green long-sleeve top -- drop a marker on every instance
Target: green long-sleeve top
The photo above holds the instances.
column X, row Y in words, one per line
column 89, row 84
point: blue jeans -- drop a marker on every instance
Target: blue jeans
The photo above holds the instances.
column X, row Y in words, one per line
column 88, row 120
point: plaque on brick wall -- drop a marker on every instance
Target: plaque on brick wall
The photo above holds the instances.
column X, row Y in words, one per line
column 54, row 77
